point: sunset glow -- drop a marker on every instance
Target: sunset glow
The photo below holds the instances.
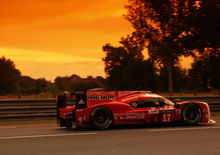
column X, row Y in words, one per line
column 49, row 38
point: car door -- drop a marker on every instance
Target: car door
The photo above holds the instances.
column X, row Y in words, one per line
column 156, row 110
column 166, row 111
column 150, row 107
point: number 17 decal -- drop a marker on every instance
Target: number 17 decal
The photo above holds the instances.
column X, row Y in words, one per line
column 166, row 117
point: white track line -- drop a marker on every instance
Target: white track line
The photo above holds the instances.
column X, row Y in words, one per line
column 182, row 129
column 54, row 135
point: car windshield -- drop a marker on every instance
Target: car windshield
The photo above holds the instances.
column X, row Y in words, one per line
column 167, row 101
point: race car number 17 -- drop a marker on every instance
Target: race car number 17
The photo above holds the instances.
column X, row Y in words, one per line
column 166, row 117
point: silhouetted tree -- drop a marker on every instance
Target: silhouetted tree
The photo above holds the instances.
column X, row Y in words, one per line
column 41, row 85
column 63, row 83
column 125, row 67
column 9, row 77
column 180, row 79
column 101, row 80
column 30, row 86
column 170, row 28
column 138, row 75
column 202, row 26
column 76, row 83
column 204, row 73
column 84, row 85
column 27, row 85
column 114, row 60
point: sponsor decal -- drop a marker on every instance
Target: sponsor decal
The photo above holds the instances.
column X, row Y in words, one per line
column 100, row 97
column 129, row 116
column 80, row 119
column 81, row 102
column 153, row 111
column 178, row 111
column 134, row 104
column 166, row 111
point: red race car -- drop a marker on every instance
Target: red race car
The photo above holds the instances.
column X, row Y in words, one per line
column 102, row 109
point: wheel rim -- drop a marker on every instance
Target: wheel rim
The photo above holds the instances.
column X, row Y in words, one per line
column 193, row 114
column 101, row 116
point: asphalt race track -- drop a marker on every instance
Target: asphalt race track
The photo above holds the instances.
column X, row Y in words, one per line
column 129, row 140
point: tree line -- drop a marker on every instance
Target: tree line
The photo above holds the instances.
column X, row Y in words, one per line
column 13, row 83
column 168, row 29
column 126, row 71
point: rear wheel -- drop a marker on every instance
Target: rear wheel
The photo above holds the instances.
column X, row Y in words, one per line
column 192, row 114
column 62, row 123
column 101, row 118
column 69, row 124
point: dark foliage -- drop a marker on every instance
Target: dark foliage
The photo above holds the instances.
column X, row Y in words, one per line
column 126, row 69
column 30, row 86
column 9, row 77
column 204, row 73
column 76, row 83
column 180, row 79
column 171, row 29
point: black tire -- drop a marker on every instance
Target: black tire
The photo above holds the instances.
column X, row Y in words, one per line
column 62, row 123
column 69, row 124
column 192, row 114
column 101, row 118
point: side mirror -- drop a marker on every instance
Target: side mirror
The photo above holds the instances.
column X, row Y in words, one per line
column 176, row 101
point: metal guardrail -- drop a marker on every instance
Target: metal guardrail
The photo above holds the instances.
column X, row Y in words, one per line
column 46, row 108
column 28, row 108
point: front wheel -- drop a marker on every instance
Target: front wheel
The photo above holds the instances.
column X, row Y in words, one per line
column 192, row 114
column 101, row 118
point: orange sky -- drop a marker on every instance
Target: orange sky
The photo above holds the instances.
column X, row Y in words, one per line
column 49, row 38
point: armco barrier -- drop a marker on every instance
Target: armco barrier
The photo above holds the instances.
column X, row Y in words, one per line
column 46, row 108
column 28, row 108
